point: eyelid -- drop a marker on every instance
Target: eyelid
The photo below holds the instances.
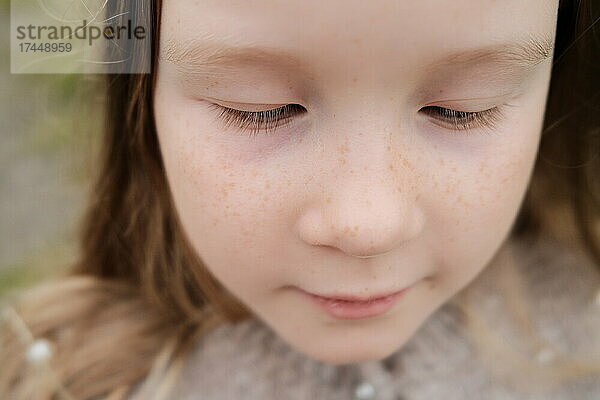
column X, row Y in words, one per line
column 486, row 112
column 273, row 117
column 473, row 104
column 242, row 106
column 466, row 121
column 264, row 121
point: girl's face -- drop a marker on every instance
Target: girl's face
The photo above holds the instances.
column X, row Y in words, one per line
column 400, row 161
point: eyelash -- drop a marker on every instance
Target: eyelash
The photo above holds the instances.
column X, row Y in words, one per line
column 467, row 120
column 269, row 120
column 257, row 121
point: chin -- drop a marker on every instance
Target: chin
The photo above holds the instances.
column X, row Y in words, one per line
column 343, row 356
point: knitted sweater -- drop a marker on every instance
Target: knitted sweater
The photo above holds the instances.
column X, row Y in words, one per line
column 249, row 361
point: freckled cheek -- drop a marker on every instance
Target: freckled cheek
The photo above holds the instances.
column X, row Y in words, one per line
column 494, row 179
column 473, row 203
column 220, row 200
column 241, row 213
column 497, row 191
column 219, row 197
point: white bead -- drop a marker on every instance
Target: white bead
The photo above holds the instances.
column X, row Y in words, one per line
column 38, row 351
column 545, row 355
column 364, row 391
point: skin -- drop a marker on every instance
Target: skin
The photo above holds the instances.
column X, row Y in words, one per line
column 364, row 172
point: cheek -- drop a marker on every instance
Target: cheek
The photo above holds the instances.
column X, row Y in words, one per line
column 223, row 205
column 476, row 200
column 478, row 193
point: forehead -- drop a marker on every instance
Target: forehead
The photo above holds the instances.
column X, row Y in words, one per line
column 359, row 33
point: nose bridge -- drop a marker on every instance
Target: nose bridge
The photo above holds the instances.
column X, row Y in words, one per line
column 362, row 131
column 367, row 204
column 366, row 147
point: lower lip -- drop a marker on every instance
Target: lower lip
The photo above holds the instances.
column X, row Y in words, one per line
column 355, row 309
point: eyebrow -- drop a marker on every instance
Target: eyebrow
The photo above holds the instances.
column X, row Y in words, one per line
column 212, row 56
column 208, row 55
column 524, row 53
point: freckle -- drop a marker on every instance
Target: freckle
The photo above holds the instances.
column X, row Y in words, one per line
column 355, row 227
column 354, row 79
column 360, row 134
column 343, row 148
column 391, row 167
column 328, row 200
column 342, row 161
column 453, row 169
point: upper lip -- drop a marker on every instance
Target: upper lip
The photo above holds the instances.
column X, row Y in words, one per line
column 350, row 297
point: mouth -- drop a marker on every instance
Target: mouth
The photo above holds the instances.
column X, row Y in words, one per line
column 347, row 306
column 355, row 298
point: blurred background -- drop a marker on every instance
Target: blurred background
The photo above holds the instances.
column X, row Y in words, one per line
column 49, row 125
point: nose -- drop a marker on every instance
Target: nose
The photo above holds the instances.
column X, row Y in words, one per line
column 367, row 206
column 362, row 223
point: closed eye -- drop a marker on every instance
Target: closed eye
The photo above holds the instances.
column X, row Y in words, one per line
column 464, row 120
column 259, row 121
column 268, row 121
